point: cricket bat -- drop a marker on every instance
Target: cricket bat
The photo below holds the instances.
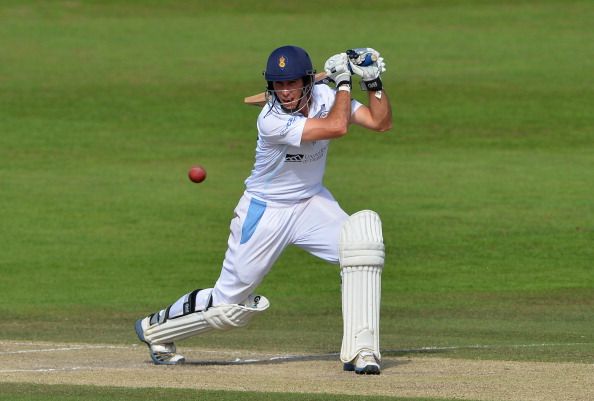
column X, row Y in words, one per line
column 260, row 98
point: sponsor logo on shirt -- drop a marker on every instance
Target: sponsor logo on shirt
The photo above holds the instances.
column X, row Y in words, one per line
column 294, row 158
column 316, row 156
column 301, row 158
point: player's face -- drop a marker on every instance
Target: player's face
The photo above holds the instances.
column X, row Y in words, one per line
column 289, row 92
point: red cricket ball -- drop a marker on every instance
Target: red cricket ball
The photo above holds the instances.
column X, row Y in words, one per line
column 197, row 174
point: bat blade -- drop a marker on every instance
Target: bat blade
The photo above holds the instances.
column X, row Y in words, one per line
column 260, row 98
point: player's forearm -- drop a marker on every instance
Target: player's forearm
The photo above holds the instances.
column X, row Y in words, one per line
column 334, row 125
column 381, row 111
column 339, row 115
column 338, row 71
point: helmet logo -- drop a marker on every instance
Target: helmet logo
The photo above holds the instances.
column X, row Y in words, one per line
column 282, row 62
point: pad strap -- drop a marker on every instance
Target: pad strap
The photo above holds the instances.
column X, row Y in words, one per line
column 190, row 304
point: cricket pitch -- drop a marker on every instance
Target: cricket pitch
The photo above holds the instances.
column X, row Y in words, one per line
column 208, row 369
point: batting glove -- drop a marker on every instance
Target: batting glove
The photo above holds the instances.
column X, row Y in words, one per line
column 367, row 63
column 337, row 69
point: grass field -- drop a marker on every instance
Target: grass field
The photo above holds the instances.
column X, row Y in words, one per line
column 485, row 185
column 75, row 393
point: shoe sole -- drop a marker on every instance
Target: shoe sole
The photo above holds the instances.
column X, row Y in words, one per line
column 367, row 370
column 140, row 334
column 160, row 362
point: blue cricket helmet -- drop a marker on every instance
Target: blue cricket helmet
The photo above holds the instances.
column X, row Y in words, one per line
column 288, row 63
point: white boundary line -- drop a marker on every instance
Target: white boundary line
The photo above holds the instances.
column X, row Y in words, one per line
column 478, row 346
column 45, row 370
column 72, row 348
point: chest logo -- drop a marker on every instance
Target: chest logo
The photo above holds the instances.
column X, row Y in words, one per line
column 323, row 113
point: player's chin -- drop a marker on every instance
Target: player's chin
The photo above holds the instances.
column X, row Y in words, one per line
column 290, row 105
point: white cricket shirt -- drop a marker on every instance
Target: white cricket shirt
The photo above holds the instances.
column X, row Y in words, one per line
column 287, row 169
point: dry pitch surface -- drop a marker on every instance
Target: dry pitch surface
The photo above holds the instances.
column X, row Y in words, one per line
column 418, row 376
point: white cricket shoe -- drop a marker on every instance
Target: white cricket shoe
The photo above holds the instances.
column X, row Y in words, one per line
column 161, row 354
column 364, row 364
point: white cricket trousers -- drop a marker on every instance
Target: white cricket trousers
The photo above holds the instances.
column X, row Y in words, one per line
column 260, row 231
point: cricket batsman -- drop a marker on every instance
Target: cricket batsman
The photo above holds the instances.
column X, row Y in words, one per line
column 286, row 203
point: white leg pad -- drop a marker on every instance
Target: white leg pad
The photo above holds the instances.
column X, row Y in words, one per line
column 221, row 317
column 361, row 261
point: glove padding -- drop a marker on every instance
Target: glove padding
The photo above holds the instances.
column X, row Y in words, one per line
column 337, row 69
column 367, row 63
column 363, row 56
column 370, row 72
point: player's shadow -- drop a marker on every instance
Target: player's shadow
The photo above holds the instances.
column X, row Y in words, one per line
column 266, row 361
column 386, row 363
column 335, row 356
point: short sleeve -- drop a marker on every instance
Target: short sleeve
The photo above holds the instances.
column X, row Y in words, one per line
column 355, row 104
column 281, row 129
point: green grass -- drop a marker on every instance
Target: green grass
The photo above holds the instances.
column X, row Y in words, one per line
column 26, row 392
column 484, row 185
